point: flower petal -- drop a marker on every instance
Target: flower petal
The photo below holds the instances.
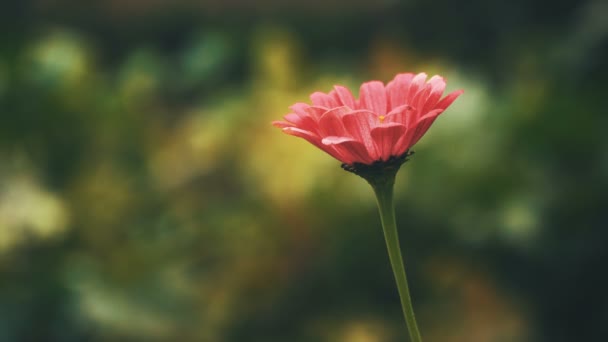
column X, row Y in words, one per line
column 352, row 151
column 419, row 100
column 417, row 131
column 385, row 137
column 358, row 124
column 396, row 90
column 282, row 124
column 335, row 140
column 321, row 99
column 313, row 139
column 437, row 85
column 316, row 112
column 446, row 101
column 331, row 122
column 304, row 134
column 417, row 83
column 373, row 97
column 400, row 114
column 404, row 114
column 424, row 124
column 304, row 122
column 300, row 108
column 293, row 118
column 345, row 97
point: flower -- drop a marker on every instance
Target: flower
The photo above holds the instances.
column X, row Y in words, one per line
column 386, row 121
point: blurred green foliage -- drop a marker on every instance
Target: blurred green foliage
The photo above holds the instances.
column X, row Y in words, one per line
column 144, row 195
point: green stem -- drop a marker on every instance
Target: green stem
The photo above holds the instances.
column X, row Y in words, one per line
column 384, row 194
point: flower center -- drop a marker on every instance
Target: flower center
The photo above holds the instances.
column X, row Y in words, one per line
column 381, row 118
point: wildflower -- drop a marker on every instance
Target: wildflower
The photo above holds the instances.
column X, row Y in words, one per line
column 386, row 121
column 372, row 137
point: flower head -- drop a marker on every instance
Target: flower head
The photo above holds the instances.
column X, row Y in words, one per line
column 382, row 124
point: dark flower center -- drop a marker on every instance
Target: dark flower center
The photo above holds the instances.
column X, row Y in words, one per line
column 379, row 168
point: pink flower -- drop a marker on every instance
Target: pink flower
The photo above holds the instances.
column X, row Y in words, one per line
column 386, row 121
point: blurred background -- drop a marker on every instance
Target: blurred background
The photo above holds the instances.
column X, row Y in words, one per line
column 144, row 195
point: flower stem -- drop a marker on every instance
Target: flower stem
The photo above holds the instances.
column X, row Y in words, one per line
column 383, row 189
